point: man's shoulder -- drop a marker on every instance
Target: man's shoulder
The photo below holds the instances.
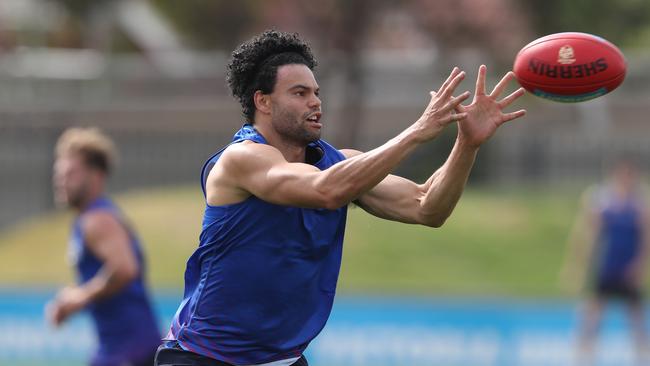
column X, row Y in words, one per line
column 98, row 223
column 247, row 151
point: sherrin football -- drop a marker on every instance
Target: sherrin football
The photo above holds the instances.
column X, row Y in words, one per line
column 570, row 67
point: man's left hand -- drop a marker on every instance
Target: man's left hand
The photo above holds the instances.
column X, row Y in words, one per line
column 485, row 113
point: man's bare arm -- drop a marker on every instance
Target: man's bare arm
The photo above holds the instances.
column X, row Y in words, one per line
column 261, row 170
column 108, row 240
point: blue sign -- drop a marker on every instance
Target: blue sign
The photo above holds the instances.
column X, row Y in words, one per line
column 368, row 331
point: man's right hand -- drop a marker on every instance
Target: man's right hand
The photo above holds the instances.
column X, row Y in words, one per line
column 68, row 301
column 440, row 111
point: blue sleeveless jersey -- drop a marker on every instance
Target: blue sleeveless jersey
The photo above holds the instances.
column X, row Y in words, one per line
column 126, row 326
column 261, row 284
column 620, row 236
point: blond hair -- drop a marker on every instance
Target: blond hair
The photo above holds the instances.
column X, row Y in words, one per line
column 96, row 148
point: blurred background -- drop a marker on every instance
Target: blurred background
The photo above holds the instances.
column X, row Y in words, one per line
column 482, row 290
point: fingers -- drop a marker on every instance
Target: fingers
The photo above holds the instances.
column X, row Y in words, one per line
column 498, row 89
column 453, row 117
column 480, row 81
column 53, row 313
column 457, row 111
column 454, row 103
column 448, row 90
column 513, row 115
column 446, row 114
column 511, row 98
column 451, row 76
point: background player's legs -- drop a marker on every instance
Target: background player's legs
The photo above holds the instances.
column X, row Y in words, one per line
column 636, row 317
column 592, row 314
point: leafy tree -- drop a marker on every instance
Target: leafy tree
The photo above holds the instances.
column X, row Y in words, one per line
column 624, row 22
column 211, row 24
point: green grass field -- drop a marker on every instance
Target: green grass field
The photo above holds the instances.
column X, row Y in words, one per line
column 496, row 243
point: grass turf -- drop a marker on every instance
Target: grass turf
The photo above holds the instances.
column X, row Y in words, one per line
column 496, row 243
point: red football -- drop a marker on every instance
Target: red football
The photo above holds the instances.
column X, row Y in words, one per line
column 570, row 67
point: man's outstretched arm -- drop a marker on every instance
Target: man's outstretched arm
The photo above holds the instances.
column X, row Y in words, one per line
column 257, row 169
column 431, row 203
column 399, row 199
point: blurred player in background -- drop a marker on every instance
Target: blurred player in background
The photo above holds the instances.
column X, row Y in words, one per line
column 106, row 254
column 608, row 252
column 261, row 284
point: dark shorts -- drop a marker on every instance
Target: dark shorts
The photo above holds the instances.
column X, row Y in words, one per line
column 618, row 290
column 170, row 353
column 146, row 361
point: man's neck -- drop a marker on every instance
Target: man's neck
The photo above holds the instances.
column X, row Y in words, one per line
column 292, row 152
column 88, row 200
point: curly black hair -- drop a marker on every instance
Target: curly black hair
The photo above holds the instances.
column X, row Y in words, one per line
column 254, row 65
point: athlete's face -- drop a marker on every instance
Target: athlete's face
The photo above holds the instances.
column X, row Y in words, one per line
column 72, row 180
column 625, row 175
column 296, row 106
